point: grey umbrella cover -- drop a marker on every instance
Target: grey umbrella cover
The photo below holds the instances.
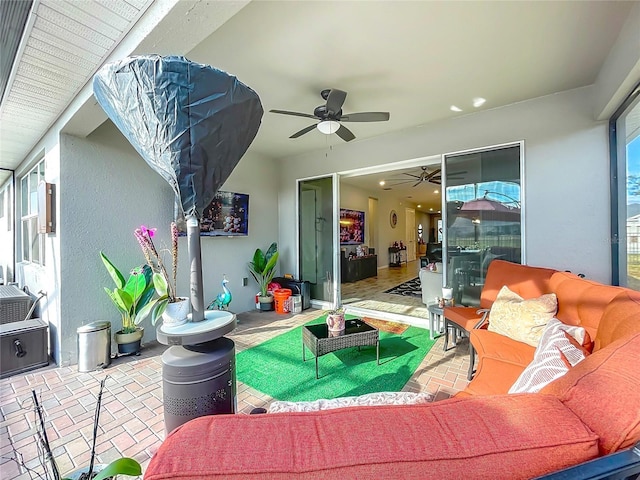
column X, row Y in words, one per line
column 190, row 122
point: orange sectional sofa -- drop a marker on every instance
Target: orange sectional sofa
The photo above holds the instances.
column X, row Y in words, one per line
column 484, row 433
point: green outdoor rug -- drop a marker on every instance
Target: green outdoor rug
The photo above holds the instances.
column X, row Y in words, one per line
column 275, row 367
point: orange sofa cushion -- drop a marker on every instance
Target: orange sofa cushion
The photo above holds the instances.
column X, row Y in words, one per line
column 604, row 391
column 526, row 281
column 500, row 437
column 582, row 302
column 621, row 318
column 501, row 360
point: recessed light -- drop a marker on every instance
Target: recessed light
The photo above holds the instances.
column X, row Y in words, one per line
column 478, row 102
column 419, row 206
column 382, row 182
column 431, row 209
column 453, row 108
column 436, row 191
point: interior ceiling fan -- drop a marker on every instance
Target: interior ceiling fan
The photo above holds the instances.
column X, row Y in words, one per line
column 330, row 116
column 424, row 175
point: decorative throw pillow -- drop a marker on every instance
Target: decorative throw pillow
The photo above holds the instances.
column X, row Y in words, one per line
column 520, row 319
column 369, row 399
column 553, row 357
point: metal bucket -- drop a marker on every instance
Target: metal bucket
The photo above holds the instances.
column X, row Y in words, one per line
column 295, row 303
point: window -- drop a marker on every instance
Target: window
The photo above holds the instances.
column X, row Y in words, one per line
column 624, row 140
column 32, row 242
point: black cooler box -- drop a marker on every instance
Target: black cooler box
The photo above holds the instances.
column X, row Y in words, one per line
column 297, row 288
column 23, row 346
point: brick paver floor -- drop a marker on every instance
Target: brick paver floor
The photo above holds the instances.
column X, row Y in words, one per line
column 131, row 418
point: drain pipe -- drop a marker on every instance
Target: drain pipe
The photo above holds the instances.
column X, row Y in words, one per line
column 41, row 294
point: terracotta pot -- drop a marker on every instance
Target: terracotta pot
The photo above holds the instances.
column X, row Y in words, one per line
column 176, row 313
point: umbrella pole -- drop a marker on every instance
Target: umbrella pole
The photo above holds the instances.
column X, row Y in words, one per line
column 195, row 269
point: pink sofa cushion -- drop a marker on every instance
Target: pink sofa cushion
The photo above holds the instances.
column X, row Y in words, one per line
column 494, row 437
column 604, row 391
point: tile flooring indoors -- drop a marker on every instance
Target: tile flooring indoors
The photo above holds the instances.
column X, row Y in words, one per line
column 131, row 418
column 369, row 293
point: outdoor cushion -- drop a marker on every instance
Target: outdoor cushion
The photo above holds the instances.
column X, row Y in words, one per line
column 620, row 319
column 612, row 374
column 580, row 301
column 369, row 399
column 554, row 356
column 501, row 358
column 520, row 319
column 495, row 437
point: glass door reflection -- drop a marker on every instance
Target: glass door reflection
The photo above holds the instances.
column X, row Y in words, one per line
column 483, row 216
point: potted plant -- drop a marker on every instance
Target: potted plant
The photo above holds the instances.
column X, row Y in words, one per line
column 335, row 322
column 173, row 309
column 131, row 298
column 262, row 269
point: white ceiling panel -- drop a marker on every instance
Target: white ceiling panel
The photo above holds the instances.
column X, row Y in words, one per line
column 67, row 42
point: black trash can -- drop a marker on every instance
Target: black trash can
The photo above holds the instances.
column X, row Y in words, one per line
column 198, row 380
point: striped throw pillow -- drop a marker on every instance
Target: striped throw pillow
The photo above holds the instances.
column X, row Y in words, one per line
column 553, row 357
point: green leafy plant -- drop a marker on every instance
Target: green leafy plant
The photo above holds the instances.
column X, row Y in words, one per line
column 131, row 297
column 263, row 267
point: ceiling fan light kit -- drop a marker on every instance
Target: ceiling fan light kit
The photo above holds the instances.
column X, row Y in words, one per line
column 328, row 126
column 330, row 116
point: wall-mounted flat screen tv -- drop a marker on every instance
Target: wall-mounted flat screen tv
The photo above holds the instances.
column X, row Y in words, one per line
column 351, row 227
column 226, row 216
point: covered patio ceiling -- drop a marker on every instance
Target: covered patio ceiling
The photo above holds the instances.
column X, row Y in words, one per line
column 413, row 59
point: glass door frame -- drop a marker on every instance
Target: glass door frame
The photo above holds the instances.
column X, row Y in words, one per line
column 335, row 287
column 616, row 177
column 443, row 166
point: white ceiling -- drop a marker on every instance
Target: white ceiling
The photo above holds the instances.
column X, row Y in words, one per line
column 413, row 59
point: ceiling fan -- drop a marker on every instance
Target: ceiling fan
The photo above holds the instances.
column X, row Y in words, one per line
column 330, row 116
column 424, row 175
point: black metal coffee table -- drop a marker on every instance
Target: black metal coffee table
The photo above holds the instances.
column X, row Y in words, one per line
column 320, row 341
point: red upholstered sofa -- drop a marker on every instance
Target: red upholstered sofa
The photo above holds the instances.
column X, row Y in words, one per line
column 591, row 411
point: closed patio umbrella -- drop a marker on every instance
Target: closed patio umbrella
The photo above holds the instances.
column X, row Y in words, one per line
column 190, row 122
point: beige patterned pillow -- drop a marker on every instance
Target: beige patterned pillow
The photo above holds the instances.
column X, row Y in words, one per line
column 369, row 399
column 520, row 319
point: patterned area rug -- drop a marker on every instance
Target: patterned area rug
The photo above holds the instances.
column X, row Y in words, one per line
column 386, row 325
column 411, row 288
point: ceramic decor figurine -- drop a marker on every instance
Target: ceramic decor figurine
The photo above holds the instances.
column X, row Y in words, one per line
column 223, row 299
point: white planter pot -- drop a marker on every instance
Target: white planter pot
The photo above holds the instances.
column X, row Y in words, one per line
column 176, row 313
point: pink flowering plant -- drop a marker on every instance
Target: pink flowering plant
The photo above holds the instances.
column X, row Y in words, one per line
column 163, row 281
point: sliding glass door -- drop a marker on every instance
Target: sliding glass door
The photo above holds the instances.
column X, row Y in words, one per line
column 625, row 192
column 483, row 216
column 318, row 244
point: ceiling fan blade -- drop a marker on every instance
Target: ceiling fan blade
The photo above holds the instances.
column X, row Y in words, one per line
column 303, row 131
column 295, row 114
column 417, row 183
column 365, row 117
column 435, row 173
column 335, row 100
column 345, row 134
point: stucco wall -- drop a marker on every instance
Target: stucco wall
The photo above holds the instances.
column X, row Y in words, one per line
column 108, row 191
column 566, row 173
